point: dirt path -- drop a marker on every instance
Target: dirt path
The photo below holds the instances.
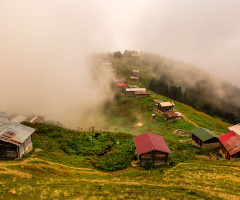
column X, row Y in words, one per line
column 190, row 121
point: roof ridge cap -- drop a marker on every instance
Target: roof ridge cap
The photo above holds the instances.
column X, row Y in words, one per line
column 149, row 135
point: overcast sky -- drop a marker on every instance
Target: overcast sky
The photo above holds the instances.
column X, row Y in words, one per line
column 43, row 42
column 201, row 32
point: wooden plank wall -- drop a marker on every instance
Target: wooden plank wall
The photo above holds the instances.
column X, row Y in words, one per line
column 155, row 157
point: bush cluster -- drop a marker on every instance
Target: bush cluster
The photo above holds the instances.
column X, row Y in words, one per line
column 107, row 151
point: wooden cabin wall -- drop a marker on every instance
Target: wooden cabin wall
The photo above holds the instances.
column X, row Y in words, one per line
column 27, row 144
column 171, row 119
column 225, row 152
column 142, row 95
column 212, row 143
column 165, row 109
column 155, row 157
column 8, row 150
column 236, row 156
column 130, row 93
column 196, row 140
column 21, row 150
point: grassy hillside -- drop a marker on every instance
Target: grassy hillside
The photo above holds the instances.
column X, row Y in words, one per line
column 73, row 164
column 65, row 164
column 36, row 178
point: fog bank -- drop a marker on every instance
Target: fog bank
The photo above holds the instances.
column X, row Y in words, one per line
column 43, row 45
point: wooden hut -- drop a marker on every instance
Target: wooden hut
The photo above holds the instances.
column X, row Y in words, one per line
column 35, row 119
column 230, row 145
column 130, row 92
column 135, row 73
column 15, row 140
column 134, row 78
column 205, row 138
column 122, row 85
column 142, row 94
column 172, row 116
column 166, row 106
column 132, row 86
column 152, row 149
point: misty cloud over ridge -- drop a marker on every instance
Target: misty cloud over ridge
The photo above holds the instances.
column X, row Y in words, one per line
column 43, row 45
column 43, row 62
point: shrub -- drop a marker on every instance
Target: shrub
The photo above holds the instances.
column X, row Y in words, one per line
column 113, row 160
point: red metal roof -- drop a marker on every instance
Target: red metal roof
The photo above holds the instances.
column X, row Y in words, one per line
column 121, row 84
column 231, row 141
column 148, row 142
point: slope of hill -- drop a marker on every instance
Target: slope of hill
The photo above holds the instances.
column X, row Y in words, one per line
column 51, row 172
column 58, row 169
column 95, row 164
column 184, row 83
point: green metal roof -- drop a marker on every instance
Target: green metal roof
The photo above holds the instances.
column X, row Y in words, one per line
column 204, row 134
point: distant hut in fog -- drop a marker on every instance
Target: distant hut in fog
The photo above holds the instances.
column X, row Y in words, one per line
column 205, row 138
column 122, row 85
column 35, row 119
column 130, row 92
column 230, row 145
column 134, row 78
column 15, row 140
column 132, row 86
column 135, row 73
column 152, row 149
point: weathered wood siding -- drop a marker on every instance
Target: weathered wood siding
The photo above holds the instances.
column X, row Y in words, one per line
column 171, row 119
column 236, row 156
column 165, row 109
column 142, row 95
column 212, row 143
column 155, row 157
column 196, row 140
column 130, row 93
column 27, row 144
column 224, row 151
column 8, row 150
column 21, row 151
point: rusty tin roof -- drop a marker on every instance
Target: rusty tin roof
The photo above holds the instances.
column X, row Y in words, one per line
column 15, row 133
column 172, row 114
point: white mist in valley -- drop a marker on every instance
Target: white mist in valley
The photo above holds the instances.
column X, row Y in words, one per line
column 44, row 44
column 44, row 65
